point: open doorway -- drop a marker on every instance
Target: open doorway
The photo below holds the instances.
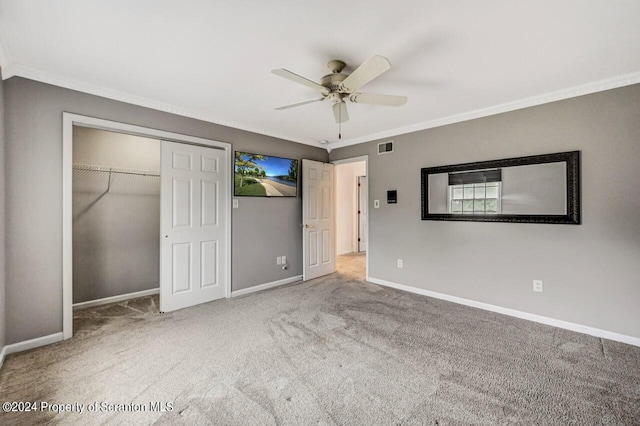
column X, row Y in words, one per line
column 352, row 216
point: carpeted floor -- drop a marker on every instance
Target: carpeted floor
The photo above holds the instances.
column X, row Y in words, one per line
column 334, row 350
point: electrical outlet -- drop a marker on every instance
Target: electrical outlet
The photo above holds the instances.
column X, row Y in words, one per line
column 278, row 260
column 235, row 203
column 284, row 259
column 537, row 286
column 400, row 263
column 376, row 204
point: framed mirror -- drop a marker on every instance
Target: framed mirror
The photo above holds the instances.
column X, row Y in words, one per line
column 534, row 189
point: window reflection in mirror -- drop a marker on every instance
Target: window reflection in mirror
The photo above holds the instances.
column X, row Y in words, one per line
column 526, row 189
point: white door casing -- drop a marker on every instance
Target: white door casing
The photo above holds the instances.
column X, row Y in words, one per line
column 193, row 221
column 318, row 219
column 362, row 213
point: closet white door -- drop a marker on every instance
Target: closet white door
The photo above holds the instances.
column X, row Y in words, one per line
column 193, row 220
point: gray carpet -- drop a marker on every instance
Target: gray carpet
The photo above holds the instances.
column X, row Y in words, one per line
column 331, row 351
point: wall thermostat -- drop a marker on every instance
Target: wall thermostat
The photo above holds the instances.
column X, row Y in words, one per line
column 392, row 197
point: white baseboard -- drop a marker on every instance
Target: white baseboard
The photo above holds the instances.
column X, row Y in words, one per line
column 115, row 299
column 32, row 343
column 266, row 286
column 635, row 341
column 342, row 253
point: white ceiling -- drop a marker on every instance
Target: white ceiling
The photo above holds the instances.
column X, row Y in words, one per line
column 212, row 59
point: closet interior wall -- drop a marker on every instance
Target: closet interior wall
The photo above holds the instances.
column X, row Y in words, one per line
column 116, row 214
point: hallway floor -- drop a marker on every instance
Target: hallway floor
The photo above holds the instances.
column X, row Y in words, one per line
column 352, row 266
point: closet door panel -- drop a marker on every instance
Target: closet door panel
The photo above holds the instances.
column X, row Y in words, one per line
column 209, row 203
column 181, row 201
column 194, row 225
column 182, row 266
column 209, row 262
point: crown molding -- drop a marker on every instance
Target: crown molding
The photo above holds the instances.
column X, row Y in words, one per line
column 67, row 83
column 5, row 57
column 14, row 69
column 9, row 70
column 572, row 92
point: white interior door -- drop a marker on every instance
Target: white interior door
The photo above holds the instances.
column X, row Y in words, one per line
column 318, row 219
column 194, row 223
column 362, row 213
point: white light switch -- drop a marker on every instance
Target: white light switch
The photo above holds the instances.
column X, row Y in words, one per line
column 537, row 286
column 376, row 204
column 235, row 203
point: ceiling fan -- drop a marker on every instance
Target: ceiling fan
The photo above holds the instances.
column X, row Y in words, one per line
column 338, row 87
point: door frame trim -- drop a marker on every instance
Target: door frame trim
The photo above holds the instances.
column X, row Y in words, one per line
column 68, row 121
column 358, row 159
column 359, row 216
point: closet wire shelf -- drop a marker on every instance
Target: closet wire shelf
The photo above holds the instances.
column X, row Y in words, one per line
column 115, row 170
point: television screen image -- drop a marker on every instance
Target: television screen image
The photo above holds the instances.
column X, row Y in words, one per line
column 257, row 175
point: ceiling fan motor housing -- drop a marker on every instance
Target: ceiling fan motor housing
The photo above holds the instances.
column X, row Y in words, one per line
column 332, row 81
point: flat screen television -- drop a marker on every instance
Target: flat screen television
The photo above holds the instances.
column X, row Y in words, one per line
column 257, row 175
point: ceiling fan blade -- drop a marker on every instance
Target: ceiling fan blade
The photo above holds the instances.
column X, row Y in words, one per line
column 370, row 69
column 300, row 103
column 299, row 79
column 376, row 99
column 340, row 112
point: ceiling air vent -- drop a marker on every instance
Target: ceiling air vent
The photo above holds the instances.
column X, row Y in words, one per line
column 385, row 147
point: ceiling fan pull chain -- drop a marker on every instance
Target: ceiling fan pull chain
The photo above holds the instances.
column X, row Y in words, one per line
column 340, row 124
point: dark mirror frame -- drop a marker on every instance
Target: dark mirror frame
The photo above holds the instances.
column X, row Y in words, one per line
column 572, row 217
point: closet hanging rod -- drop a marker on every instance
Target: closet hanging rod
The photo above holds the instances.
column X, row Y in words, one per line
column 116, row 170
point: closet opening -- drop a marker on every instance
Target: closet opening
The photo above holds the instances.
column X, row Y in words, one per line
column 191, row 264
column 116, row 221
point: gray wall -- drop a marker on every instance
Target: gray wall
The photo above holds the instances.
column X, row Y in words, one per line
column 2, row 219
column 116, row 228
column 590, row 271
column 264, row 228
column 261, row 228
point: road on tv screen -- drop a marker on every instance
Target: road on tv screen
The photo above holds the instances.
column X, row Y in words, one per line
column 278, row 188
